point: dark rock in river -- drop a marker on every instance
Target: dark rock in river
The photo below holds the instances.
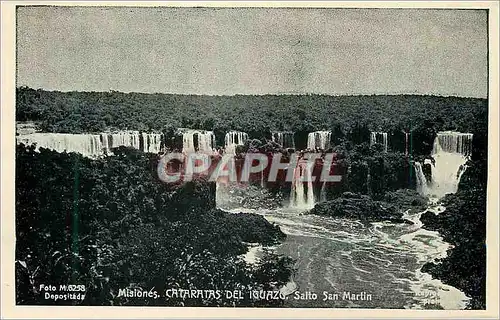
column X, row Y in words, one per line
column 405, row 199
column 357, row 206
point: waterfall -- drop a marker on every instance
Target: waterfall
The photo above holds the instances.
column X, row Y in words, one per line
column 451, row 152
column 453, row 142
column 422, row 186
column 106, row 143
column 319, row 139
column 322, row 194
column 88, row 145
column 300, row 197
column 284, row 139
column 379, row 137
column 406, row 142
column 205, row 143
column 384, row 140
column 118, row 139
column 151, row 142
column 234, row 139
column 93, row 145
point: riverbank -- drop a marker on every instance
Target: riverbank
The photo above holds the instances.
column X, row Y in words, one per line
column 463, row 225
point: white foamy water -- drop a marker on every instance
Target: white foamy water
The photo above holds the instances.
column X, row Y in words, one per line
column 382, row 258
column 92, row 145
column 205, row 140
column 319, row 139
column 251, row 257
column 234, row 139
column 450, row 152
column 88, row 145
column 284, row 139
column 302, row 193
column 379, row 137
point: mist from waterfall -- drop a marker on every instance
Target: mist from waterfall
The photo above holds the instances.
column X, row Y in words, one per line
column 451, row 152
column 234, row 139
column 284, row 139
column 319, row 139
column 379, row 137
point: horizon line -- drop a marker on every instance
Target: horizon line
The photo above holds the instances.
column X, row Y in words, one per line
column 291, row 93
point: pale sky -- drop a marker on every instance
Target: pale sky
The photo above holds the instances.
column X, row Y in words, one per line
column 253, row 51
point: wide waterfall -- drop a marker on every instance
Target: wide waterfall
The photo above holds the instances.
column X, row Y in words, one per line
column 88, row 145
column 205, row 141
column 453, row 142
column 301, row 197
column 234, row 139
column 122, row 138
column 151, row 142
column 451, row 152
column 379, row 137
column 319, row 139
column 93, row 145
column 284, row 139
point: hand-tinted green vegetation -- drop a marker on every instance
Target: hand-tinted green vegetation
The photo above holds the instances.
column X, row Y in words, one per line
column 110, row 224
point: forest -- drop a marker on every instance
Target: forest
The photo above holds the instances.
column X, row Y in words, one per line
column 112, row 224
column 110, row 221
column 348, row 117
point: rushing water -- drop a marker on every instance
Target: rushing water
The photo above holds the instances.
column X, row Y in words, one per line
column 302, row 197
column 205, row 140
column 234, row 139
column 93, row 145
column 450, row 153
column 284, row 139
column 379, row 137
column 319, row 140
column 382, row 259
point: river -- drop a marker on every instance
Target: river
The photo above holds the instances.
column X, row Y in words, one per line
column 380, row 262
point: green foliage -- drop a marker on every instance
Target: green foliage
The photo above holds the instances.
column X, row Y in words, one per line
column 348, row 117
column 110, row 224
column 406, row 199
column 372, row 171
column 360, row 207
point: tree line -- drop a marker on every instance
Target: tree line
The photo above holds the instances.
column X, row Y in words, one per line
column 348, row 117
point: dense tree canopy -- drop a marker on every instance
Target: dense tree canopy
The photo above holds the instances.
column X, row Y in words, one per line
column 258, row 115
column 110, row 224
